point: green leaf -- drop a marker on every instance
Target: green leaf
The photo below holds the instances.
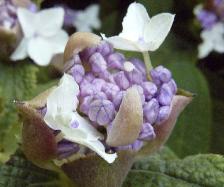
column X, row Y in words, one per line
column 193, row 171
column 192, row 133
column 17, row 82
column 19, row 172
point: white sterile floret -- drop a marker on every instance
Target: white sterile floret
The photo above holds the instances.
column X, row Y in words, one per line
column 43, row 35
column 61, row 113
column 212, row 40
column 88, row 19
column 140, row 32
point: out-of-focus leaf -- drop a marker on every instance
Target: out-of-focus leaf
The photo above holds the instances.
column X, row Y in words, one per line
column 157, row 6
column 19, row 172
column 17, row 81
column 193, row 171
column 192, row 133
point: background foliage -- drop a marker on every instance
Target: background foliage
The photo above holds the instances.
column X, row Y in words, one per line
column 199, row 129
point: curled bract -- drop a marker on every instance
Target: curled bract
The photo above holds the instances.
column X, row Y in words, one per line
column 128, row 121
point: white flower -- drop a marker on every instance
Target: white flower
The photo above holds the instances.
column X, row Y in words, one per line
column 213, row 40
column 61, row 114
column 140, row 33
column 43, row 35
column 88, row 19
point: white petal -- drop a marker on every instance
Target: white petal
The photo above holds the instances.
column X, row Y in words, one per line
column 49, row 21
column 88, row 19
column 21, row 51
column 40, row 51
column 124, row 44
column 91, row 139
column 134, row 22
column 27, row 21
column 62, row 103
column 157, row 29
column 58, row 41
column 204, row 49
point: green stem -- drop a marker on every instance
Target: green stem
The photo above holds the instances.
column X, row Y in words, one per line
column 148, row 64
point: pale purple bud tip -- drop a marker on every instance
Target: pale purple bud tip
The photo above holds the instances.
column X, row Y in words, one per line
column 32, row 7
column 87, row 53
column 105, row 49
column 78, row 72
column 89, row 77
column 150, row 90
column 173, row 86
column 117, row 99
column 163, row 115
column 135, row 76
column 66, row 149
column 139, row 65
column 98, row 63
column 151, row 110
column 136, row 146
column 147, row 132
column 160, row 75
column 84, row 107
column 101, row 111
column 121, row 80
column 69, row 16
column 116, row 61
column 165, row 95
column 98, row 83
column 141, row 93
column 110, row 90
column 86, row 89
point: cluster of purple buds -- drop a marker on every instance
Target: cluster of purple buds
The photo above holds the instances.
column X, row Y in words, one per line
column 8, row 15
column 104, row 75
column 8, row 12
column 211, row 14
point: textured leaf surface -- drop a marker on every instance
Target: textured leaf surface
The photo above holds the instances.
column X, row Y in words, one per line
column 193, row 171
column 192, row 133
column 19, row 172
column 17, row 81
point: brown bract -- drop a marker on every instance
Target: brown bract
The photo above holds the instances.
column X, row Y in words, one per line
column 93, row 171
column 79, row 41
column 128, row 121
column 38, row 140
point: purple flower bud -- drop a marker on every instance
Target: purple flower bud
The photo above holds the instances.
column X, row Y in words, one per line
column 87, row 89
column 160, row 75
column 206, row 18
column 141, row 93
column 136, row 146
column 105, row 49
column 107, row 76
column 173, row 86
column 78, row 72
column 135, row 76
column 98, row 83
column 163, row 115
column 165, row 95
column 139, row 65
column 117, row 99
column 115, row 60
column 98, row 63
column 150, row 90
column 151, row 110
column 110, row 90
column 121, row 80
column 87, row 53
column 89, row 77
column 69, row 16
column 101, row 111
column 84, row 106
column 147, row 133
column 66, row 149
